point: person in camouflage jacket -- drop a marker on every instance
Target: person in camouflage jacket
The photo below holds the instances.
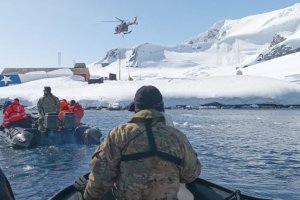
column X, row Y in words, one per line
column 144, row 158
column 46, row 104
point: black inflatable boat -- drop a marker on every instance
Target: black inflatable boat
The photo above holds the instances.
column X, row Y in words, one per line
column 64, row 133
column 30, row 137
column 200, row 189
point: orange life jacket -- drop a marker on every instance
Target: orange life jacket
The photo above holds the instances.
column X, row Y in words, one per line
column 63, row 104
column 13, row 113
column 64, row 107
column 78, row 112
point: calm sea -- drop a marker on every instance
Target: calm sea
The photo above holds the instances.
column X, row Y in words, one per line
column 255, row 151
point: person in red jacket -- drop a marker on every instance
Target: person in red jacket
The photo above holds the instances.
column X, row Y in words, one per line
column 64, row 107
column 78, row 111
column 14, row 115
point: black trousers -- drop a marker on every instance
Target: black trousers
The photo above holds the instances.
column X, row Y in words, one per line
column 24, row 123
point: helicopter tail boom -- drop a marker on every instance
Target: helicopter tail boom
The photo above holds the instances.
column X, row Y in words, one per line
column 133, row 22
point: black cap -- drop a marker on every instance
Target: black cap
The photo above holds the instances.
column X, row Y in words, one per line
column 72, row 102
column 47, row 89
column 6, row 103
column 148, row 97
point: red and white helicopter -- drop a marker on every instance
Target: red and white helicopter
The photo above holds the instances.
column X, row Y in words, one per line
column 123, row 26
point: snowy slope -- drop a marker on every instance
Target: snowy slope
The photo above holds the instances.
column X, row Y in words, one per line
column 227, row 45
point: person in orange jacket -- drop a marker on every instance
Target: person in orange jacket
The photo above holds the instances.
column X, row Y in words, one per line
column 78, row 111
column 14, row 115
column 64, row 107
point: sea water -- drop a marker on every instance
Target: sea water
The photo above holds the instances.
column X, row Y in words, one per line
column 255, row 151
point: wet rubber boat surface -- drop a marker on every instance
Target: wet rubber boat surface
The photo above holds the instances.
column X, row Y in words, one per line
column 200, row 189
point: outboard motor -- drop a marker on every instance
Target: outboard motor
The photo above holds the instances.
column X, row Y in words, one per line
column 22, row 138
column 68, row 121
column 51, row 121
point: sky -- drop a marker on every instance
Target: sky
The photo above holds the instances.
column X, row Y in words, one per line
column 33, row 32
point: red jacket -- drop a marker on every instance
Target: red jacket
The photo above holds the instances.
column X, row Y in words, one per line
column 64, row 108
column 13, row 113
column 78, row 112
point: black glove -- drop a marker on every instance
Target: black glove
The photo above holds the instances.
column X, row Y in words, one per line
column 1, row 128
column 80, row 183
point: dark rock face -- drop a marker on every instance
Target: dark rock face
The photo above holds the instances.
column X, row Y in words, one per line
column 277, row 52
column 276, row 40
column 210, row 36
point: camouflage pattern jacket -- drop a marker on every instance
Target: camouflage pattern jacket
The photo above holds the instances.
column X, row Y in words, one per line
column 146, row 178
column 47, row 104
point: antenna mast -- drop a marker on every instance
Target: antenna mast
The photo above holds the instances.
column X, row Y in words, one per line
column 59, row 58
column 119, row 64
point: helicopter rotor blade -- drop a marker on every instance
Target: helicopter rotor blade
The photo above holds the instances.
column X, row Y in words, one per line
column 110, row 21
column 121, row 20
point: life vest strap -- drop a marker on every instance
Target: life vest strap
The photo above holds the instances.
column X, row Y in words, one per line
column 153, row 149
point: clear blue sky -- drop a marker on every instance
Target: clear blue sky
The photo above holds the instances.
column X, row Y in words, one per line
column 34, row 31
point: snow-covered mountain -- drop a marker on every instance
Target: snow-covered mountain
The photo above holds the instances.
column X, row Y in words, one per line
column 264, row 48
column 226, row 46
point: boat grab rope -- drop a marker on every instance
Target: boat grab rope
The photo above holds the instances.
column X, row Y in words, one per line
column 236, row 195
column 12, row 132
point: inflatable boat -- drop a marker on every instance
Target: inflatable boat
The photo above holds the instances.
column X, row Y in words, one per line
column 199, row 189
column 56, row 134
column 30, row 137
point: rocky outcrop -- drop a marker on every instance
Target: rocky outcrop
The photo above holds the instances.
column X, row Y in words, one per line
column 276, row 40
column 279, row 51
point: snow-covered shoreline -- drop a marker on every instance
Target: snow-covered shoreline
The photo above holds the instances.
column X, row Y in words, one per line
column 228, row 90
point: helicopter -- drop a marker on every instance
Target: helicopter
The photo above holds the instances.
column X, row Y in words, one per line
column 123, row 26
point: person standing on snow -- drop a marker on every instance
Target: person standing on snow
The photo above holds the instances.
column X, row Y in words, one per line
column 144, row 158
column 48, row 103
